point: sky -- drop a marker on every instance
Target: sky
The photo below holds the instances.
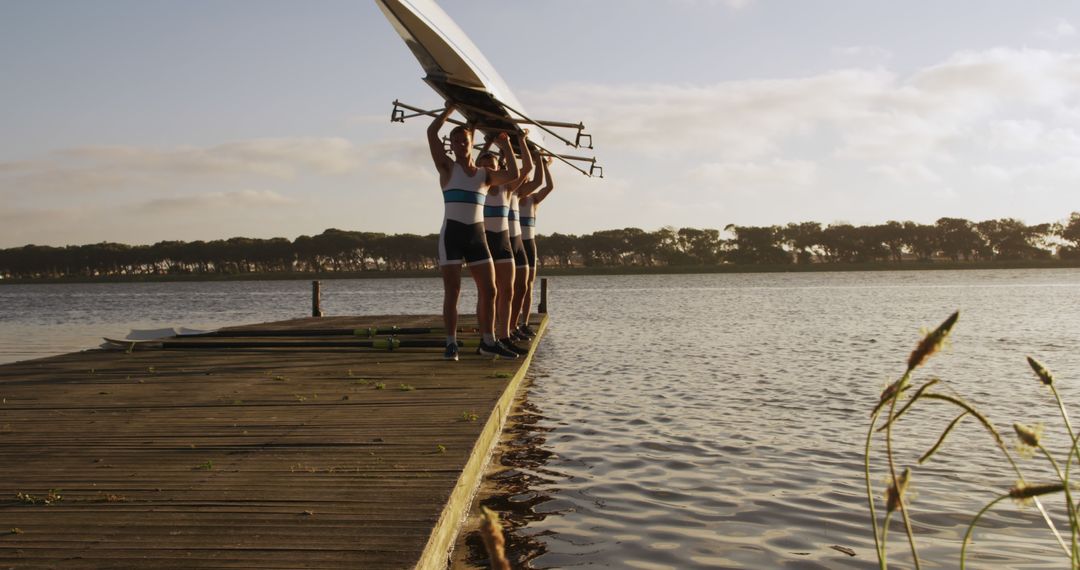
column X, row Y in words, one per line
column 137, row 121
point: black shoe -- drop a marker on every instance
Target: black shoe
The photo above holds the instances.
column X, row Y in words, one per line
column 517, row 336
column 508, row 344
column 451, row 352
column 527, row 331
column 495, row 349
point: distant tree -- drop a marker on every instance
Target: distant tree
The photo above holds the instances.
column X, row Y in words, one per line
column 643, row 246
column 341, row 250
column 894, row 237
column 843, row 243
column 409, row 251
column 877, row 243
column 1011, row 239
column 671, row 251
column 757, row 245
column 958, row 238
column 702, row 246
column 803, row 239
column 1070, row 232
column 306, row 253
column 337, row 250
column 560, row 247
column 922, row 240
column 602, row 248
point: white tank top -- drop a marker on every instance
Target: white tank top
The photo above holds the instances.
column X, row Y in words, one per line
column 464, row 195
column 528, row 218
column 515, row 226
column 497, row 210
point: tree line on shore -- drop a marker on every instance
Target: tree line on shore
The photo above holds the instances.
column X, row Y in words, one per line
column 951, row 239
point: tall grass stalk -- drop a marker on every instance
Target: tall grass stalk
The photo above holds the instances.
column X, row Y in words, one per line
column 898, row 399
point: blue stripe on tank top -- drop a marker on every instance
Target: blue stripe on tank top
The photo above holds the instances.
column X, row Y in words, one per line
column 530, row 222
column 512, row 215
column 496, row 211
column 463, row 196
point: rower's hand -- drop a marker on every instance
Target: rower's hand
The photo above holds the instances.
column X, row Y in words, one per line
column 503, row 138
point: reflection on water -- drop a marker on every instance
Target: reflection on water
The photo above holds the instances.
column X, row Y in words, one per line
column 705, row 421
column 517, row 487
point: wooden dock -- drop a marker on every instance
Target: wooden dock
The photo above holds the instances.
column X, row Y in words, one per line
column 258, row 458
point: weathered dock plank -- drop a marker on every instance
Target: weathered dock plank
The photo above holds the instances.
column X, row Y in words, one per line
column 246, row 458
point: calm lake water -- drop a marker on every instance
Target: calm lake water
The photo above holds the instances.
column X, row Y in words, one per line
column 707, row 421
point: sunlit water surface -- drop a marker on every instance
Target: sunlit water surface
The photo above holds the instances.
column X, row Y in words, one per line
column 706, row 421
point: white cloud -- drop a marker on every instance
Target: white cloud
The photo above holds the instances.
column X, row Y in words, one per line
column 974, row 85
column 734, row 121
column 749, row 176
column 1015, row 135
column 992, row 173
column 402, row 161
column 873, row 53
column 732, row 4
column 104, row 168
column 905, row 174
column 215, row 200
column 859, row 114
column 1062, row 28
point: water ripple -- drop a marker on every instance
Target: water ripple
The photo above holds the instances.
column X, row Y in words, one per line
column 704, row 421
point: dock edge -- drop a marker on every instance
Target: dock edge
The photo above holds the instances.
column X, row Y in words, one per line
column 436, row 554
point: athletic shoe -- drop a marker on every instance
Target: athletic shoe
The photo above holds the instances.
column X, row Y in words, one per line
column 527, row 331
column 451, row 352
column 516, row 335
column 495, row 349
column 508, row 344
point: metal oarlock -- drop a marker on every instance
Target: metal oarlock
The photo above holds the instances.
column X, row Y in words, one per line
column 582, row 135
column 596, row 168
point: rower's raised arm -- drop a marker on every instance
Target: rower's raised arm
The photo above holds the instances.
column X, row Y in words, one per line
column 526, row 156
column 537, row 178
column 548, row 186
column 511, row 173
column 443, row 163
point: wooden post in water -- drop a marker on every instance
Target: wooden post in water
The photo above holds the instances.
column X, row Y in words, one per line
column 316, row 299
column 543, row 296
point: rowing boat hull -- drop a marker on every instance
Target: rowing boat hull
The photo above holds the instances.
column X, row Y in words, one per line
column 455, row 67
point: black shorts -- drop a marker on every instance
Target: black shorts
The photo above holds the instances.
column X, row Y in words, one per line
column 462, row 242
column 520, row 260
column 530, row 251
column 499, row 245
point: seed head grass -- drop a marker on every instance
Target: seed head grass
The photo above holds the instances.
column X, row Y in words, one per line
column 494, row 542
column 893, row 406
column 932, row 342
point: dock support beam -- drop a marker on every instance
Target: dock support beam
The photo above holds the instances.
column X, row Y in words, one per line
column 316, row 299
column 543, row 296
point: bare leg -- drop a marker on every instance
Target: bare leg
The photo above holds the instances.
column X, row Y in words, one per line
column 526, row 303
column 504, row 293
column 451, row 275
column 484, row 276
column 520, row 282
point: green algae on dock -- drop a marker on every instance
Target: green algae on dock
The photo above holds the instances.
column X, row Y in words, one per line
column 247, row 458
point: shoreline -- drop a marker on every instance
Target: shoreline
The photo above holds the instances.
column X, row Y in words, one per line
column 571, row 271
